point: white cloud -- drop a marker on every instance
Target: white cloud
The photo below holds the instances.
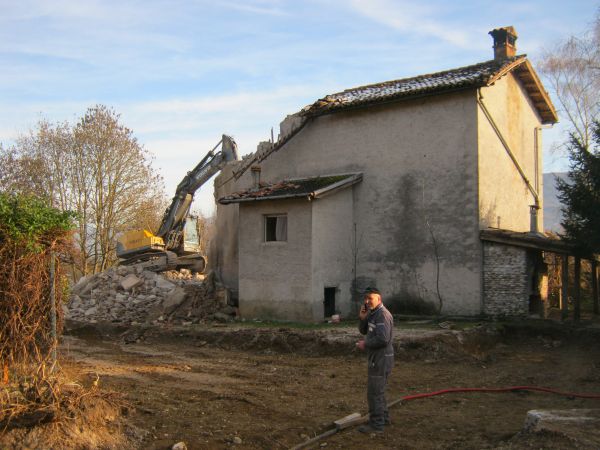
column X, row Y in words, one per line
column 411, row 17
column 266, row 8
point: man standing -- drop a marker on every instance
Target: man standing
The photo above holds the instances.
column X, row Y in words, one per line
column 378, row 325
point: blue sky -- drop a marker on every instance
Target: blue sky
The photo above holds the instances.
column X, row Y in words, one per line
column 181, row 73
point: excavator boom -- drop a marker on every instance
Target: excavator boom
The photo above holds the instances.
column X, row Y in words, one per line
column 204, row 170
column 141, row 245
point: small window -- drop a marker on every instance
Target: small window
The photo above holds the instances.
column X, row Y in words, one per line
column 276, row 228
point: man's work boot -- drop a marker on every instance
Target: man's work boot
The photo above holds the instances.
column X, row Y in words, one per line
column 368, row 429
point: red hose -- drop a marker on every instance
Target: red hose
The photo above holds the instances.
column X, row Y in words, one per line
column 450, row 391
column 504, row 389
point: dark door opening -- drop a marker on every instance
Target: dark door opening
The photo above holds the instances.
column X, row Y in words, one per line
column 329, row 301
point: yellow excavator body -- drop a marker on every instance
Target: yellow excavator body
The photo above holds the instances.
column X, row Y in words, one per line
column 138, row 241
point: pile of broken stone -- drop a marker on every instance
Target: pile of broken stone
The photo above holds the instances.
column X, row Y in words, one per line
column 132, row 295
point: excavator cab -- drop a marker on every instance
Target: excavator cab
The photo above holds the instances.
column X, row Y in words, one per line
column 191, row 236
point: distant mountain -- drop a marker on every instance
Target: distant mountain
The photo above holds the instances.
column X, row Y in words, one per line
column 552, row 205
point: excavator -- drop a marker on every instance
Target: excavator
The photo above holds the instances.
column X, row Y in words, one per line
column 176, row 245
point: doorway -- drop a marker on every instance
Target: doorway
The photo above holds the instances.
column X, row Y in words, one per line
column 329, row 301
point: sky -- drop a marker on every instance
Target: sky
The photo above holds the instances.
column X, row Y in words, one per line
column 182, row 73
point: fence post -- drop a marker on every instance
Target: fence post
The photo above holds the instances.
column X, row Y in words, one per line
column 577, row 290
column 595, row 286
column 53, row 307
column 564, row 289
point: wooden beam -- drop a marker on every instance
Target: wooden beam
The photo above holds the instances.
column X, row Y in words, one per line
column 577, row 290
column 595, row 299
column 564, row 288
column 349, row 421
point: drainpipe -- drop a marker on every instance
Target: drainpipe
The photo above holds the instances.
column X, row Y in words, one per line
column 533, row 219
column 536, row 200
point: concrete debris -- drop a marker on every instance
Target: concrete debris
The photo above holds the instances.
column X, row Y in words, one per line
column 132, row 295
column 580, row 426
column 131, row 281
column 555, row 419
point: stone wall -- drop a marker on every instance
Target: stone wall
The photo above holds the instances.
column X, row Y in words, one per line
column 505, row 281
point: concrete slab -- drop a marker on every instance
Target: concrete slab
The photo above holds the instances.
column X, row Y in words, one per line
column 581, row 426
column 131, row 281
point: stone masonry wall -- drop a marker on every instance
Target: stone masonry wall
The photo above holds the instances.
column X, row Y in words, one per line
column 505, row 287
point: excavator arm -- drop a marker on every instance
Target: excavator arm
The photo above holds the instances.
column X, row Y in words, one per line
column 175, row 214
column 166, row 249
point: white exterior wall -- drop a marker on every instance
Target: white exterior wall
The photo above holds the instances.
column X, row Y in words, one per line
column 504, row 198
column 223, row 249
column 419, row 165
column 332, row 246
column 275, row 278
column 433, row 170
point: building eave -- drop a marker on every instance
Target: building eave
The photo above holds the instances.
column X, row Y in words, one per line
column 531, row 241
column 350, row 180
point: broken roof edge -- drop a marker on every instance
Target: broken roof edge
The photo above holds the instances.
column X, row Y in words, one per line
column 257, row 156
column 348, row 180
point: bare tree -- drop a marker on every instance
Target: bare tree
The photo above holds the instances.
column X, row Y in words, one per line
column 572, row 72
column 95, row 168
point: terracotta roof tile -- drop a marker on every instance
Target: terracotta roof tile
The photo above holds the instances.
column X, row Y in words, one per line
column 476, row 75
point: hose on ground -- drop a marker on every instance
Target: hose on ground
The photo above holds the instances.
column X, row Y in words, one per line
column 453, row 391
column 503, row 389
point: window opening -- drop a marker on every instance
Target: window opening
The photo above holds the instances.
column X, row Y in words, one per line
column 276, row 228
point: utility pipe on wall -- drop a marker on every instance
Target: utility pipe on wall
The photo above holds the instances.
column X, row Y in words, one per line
column 510, row 153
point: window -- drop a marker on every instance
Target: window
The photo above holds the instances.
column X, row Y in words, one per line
column 276, row 228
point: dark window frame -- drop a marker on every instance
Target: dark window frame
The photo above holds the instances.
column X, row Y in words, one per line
column 271, row 223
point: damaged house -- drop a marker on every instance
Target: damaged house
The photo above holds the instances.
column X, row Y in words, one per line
column 399, row 185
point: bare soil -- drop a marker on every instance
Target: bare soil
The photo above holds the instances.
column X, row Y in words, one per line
column 273, row 387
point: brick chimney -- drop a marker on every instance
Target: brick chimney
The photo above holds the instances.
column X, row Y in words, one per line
column 504, row 42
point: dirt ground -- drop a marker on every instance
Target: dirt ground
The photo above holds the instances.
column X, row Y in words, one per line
column 272, row 387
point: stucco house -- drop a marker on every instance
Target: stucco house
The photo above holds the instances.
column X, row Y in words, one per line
column 399, row 185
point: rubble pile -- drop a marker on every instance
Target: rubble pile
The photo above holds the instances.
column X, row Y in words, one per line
column 132, row 295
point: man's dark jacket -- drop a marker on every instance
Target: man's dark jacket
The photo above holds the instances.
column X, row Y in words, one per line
column 379, row 328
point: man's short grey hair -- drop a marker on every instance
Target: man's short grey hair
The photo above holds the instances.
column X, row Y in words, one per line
column 372, row 290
